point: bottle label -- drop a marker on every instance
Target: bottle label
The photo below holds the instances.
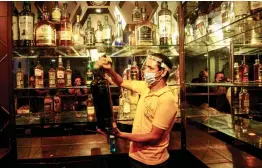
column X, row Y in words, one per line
column 51, row 78
column 26, row 27
column 245, row 74
column 241, row 8
column 127, row 107
column 45, row 35
column 38, row 72
column 89, row 38
column 246, row 103
column 15, row 27
column 19, row 81
column 255, row 5
column 107, row 34
column 99, row 35
column 136, row 16
column 65, row 35
column 68, row 79
column 56, row 15
column 60, row 74
column 236, row 74
column 165, row 26
column 90, row 110
column 145, row 35
column 260, row 73
column 39, row 82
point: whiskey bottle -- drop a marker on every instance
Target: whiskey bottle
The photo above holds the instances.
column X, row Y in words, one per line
column 164, row 18
column 89, row 33
column 48, row 104
column 227, row 14
column 39, row 75
column 19, row 77
column 77, row 39
column 60, row 73
column 102, row 100
column 236, row 72
column 243, row 71
column 244, row 101
column 189, row 36
column 135, row 75
column 235, row 103
column 65, row 28
column 56, row 13
column 45, row 30
column 256, row 70
column 90, row 107
column 26, row 25
column 255, row 7
column 57, row 102
column 136, row 13
column 99, row 33
column 89, row 71
column 107, row 32
column 119, row 33
column 15, row 25
column 52, row 76
column 68, row 74
column 145, row 31
column 201, row 21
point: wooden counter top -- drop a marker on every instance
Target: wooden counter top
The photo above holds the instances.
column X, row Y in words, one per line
column 75, row 146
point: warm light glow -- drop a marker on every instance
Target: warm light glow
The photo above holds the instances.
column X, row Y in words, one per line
column 98, row 10
column 251, row 134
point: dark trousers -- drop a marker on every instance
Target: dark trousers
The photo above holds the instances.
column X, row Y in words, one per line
column 137, row 164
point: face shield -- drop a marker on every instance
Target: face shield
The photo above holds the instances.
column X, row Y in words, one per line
column 154, row 61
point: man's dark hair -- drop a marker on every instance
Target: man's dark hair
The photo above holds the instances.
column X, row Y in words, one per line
column 201, row 74
column 218, row 73
column 166, row 61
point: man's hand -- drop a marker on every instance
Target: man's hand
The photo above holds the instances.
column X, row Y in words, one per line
column 104, row 62
column 115, row 131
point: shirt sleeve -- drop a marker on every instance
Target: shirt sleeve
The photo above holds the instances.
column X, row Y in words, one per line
column 165, row 114
column 139, row 86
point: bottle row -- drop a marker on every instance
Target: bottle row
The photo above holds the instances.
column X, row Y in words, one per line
column 59, row 31
column 212, row 16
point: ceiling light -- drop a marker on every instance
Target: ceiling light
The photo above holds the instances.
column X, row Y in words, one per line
column 98, row 10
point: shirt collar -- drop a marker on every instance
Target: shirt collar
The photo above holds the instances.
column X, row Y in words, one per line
column 160, row 91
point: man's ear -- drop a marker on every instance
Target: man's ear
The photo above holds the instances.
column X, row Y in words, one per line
column 164, row 73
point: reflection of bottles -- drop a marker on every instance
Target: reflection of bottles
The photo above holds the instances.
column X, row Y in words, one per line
column 19, row 77
column 68, row 74
column 256, row 71
column 102, row 100
column 244, row 101
column 65, row 28
column 15, row 25
column 77, row 39
column 57, row 103
column 164, row 18
column 236, row 72
column 48, row 104
column 56, row 13
column 39, row 75
column 26, row 25
column 89, row 33
column 52, row 76
column 60, row 73
column 107, row 32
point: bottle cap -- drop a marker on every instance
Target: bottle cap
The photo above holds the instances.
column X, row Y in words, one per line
column 111, row 136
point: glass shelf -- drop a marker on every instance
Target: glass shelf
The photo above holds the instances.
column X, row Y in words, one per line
column 221, row 38
column 55, row 88
column 249, row 84
column 83, row 51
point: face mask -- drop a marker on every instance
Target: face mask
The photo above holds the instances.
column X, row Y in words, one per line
column 150, row 78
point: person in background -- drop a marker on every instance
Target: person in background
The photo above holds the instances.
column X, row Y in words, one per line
column 78, row 91
column 155, row 114
column 202, row 77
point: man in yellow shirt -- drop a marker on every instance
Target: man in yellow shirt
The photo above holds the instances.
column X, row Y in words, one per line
column 155, row 114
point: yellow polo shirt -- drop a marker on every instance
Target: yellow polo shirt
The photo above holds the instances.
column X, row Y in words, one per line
column 159, row 109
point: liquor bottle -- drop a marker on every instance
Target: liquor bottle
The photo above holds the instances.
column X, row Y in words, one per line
column 56, row 13
column 19, row 77
column 77, row 39
column 235, row 103
column 255, row 7
column 126, row 105
column 57, row 102
column 65, row 28
column 15, row 25
column 240, row 8
column 68, row 74
column 89, row 33
column 136, row 13
column 45, row 30
column 90, row 107
column 127, row 33
column 135, row 75
column 39, row 75
column 119, row 33
column 89, row 71
column 102, row 100
column 26, row 25
column 256, row 70
column 145, row 31
column 244, row 101
column 127, row 71
column 243, row 71
column 236, row 72
column 132, row 39
column 107, row 32
column 52, row 76
column 189, row 36
column 48, row 104
column 99, row 33
column 227, row 14
column 60, row 73
column 201, row 21
column 164, row 18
